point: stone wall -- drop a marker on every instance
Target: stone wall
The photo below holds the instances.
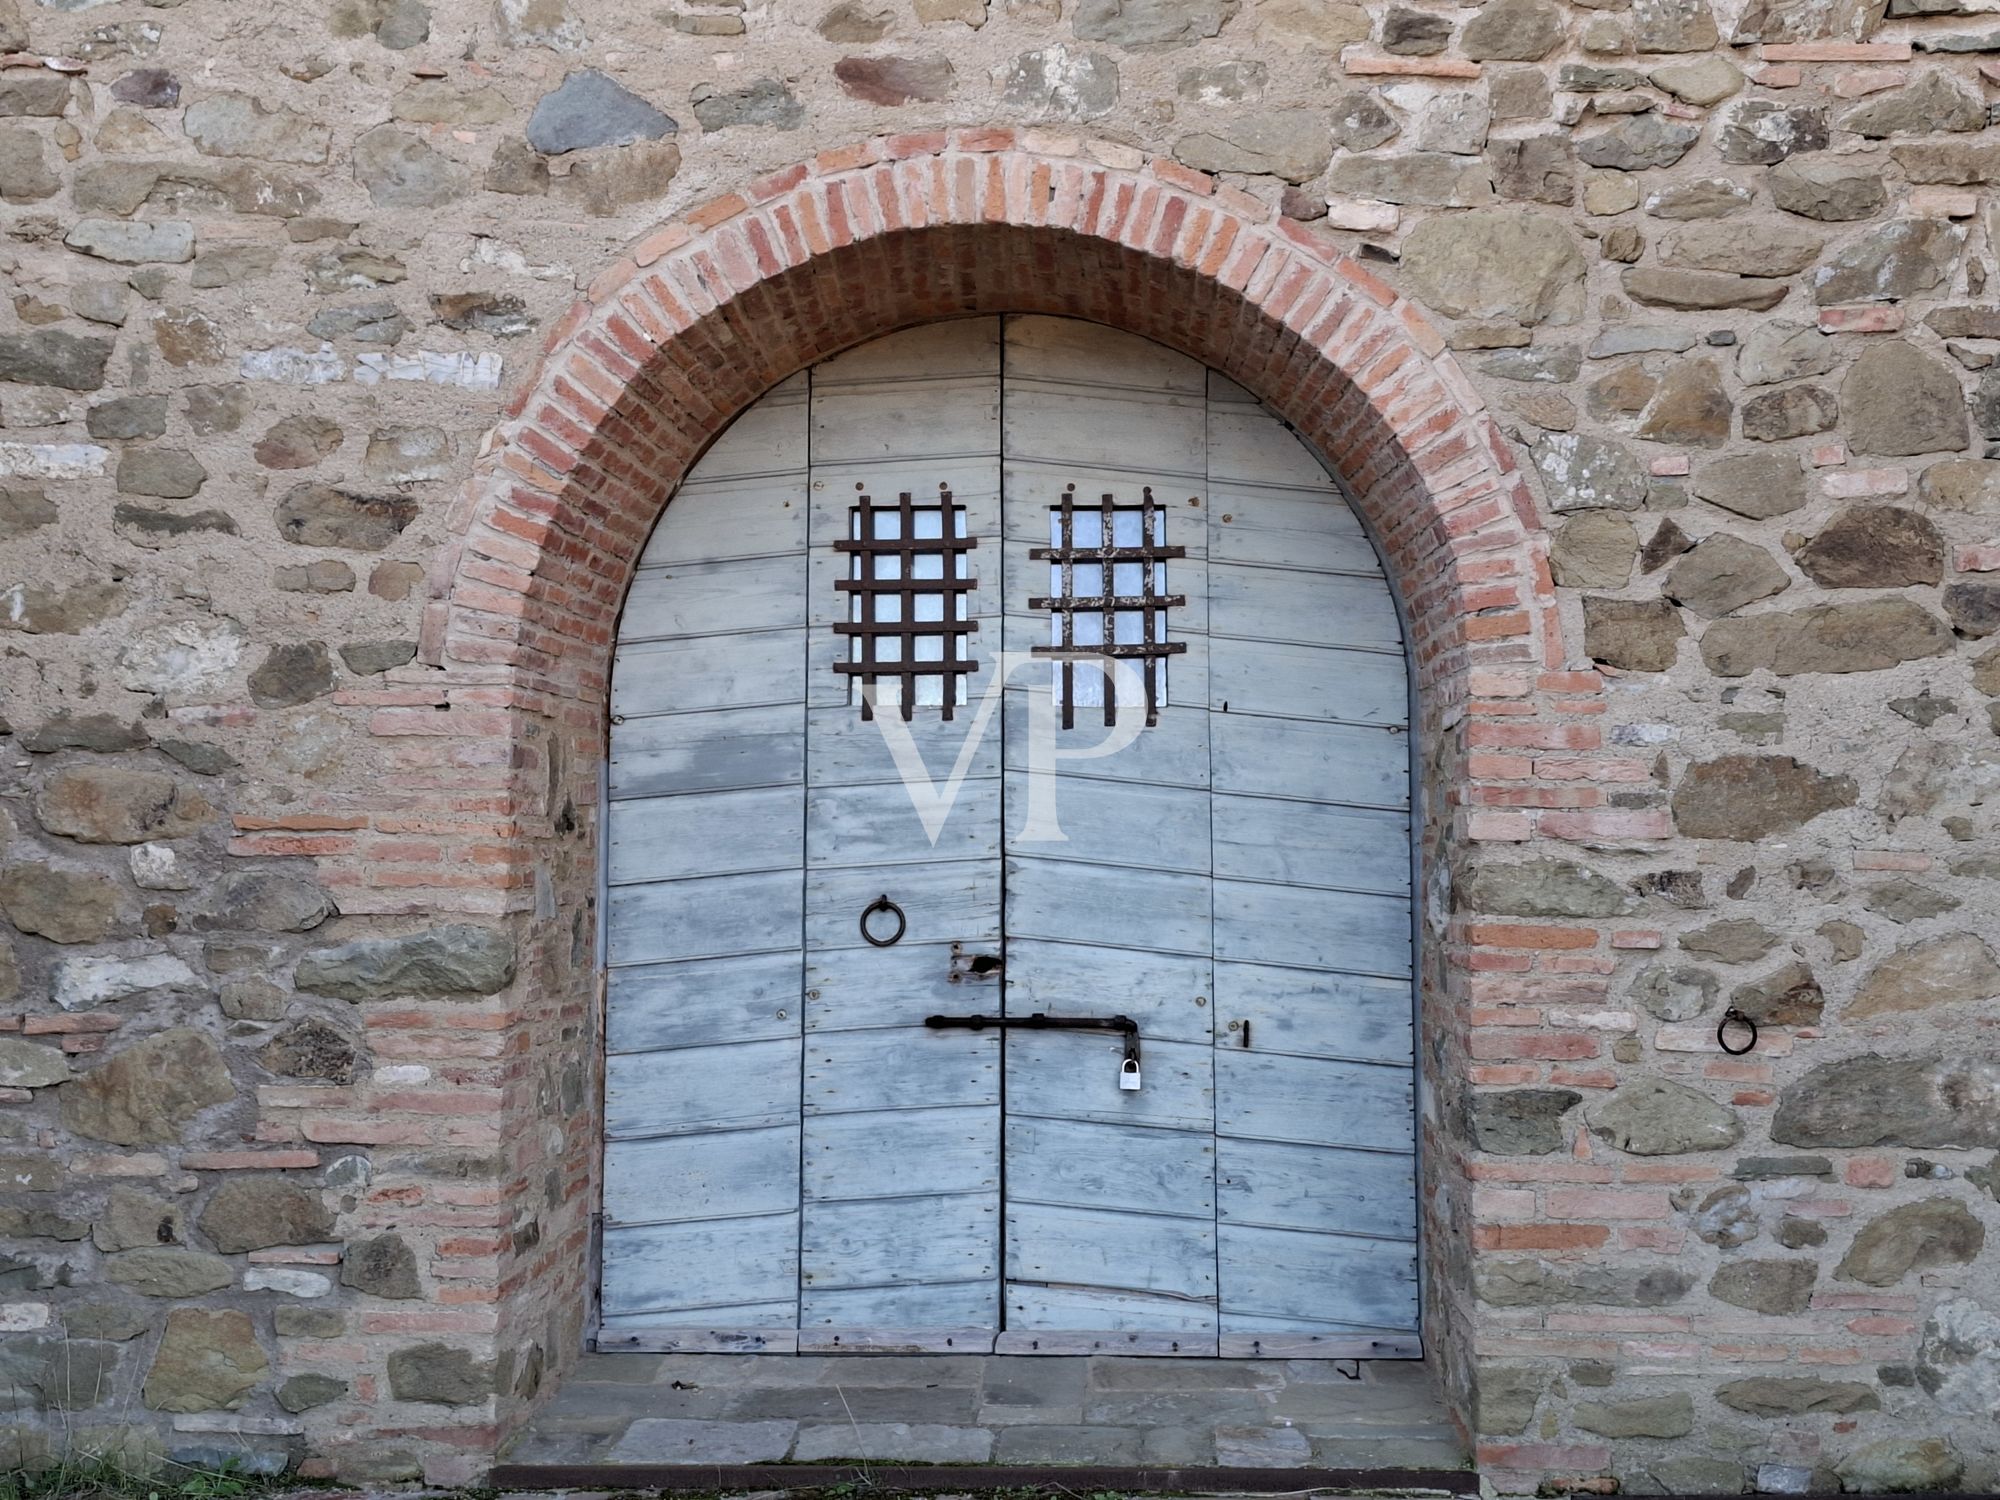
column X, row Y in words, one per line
column 298, row 1051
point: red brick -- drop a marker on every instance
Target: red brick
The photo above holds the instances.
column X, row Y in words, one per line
column 1539, row 1236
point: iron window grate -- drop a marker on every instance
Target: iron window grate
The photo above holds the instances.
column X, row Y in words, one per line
column 1107, row 565
column 908, row 583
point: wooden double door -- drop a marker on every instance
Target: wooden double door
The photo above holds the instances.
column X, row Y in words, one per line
column 862, row 787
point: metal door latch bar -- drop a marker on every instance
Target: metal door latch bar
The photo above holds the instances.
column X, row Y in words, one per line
column 1040, row 1021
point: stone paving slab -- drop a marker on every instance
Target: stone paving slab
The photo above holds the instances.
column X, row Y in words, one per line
column 905, row 1442
column 1006, row 1409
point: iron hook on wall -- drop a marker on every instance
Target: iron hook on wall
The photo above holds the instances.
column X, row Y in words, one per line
column 1722, row 1041
column 883, row 903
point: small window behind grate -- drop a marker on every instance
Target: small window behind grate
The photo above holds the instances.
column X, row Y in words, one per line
column 1108, row 570
column 909, row 585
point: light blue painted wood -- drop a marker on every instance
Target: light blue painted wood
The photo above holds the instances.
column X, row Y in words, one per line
column 1363, row 767
column 715, row 598
column 692, row 1177
column 1302, row 843
column 1084, row 1248
column 714, row 1272
column 1111, row 1167
column 876, row 1155
column 695, row 673
column 747, row 1016
column 719, row 750
column 902, row 1067
column 702, row 1003
column 1308, row 682
column 701, row 1084
column 1067, row 1076
column 1335, row 930
column 1303, row 1280
column 1174, row 752
column 901, row 1242
column 859, row 987
column 733, row 1086
column 1315, row 1013
column 879, row 825
column 1086, row 1320
column 1166, row 993
column 956, row 901
column 1313, row 609
column 1319, row 1188
column 1116, row 822
column 1313, row 1101
column 935, row 1318
column 849, row 752
column 705, row 833
column 1151, row 910
column 900, row 1235
column 707, row 918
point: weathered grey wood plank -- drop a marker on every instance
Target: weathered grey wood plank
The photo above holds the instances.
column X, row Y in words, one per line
column 880, row 825
column 1050, row 1306
column 646, row 1333
column 1168, row 994
column 1151, row 910
column 705, row 833
column 748, row 515
column 1174, row 752
column 1313, row 1101
column 701, row 672
column 1314, row 1279
column 850, row 989
column 834, row 1339
column 1308, row 682
column 689, row 1177
column 1319, row 1188
column 1074, row 1076
column 1283, row 1342
column 1314, row 609
column 957, row 901
column 715, row 598
column 738, row 1085
column 1170, row 1172
column 846, row 751
column 720, row 750
column 1306, row 844
column 942, row 1318
column 702, row 1003
column 1315, row 1013
column 902, row 1242
column 1115, row 822
column 1088, row 1250
column 901, row 1067
column 1046, row 348
column 854, row 1156
column 714, row 1273
column 1318, row 929
column 1367, row 767
column 708, row 918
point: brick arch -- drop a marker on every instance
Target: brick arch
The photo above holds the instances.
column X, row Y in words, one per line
column 491, row 745
column 707, row 313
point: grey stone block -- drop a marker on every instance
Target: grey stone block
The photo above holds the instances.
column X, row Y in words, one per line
column 907, row 1442
column 672, row 1440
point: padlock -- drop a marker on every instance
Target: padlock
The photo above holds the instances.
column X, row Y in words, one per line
column 1128, row 1075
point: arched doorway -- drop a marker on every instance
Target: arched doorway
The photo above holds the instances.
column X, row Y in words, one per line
column 708, row 313
column 966, row 993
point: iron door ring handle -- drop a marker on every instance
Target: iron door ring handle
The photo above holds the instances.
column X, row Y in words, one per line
column 883, row 903
column 1722, row 1041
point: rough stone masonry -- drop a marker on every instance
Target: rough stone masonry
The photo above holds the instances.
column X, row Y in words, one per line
column 297, row 1048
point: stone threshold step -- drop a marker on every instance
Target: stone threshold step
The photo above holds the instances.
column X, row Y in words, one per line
column 956, row 1478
